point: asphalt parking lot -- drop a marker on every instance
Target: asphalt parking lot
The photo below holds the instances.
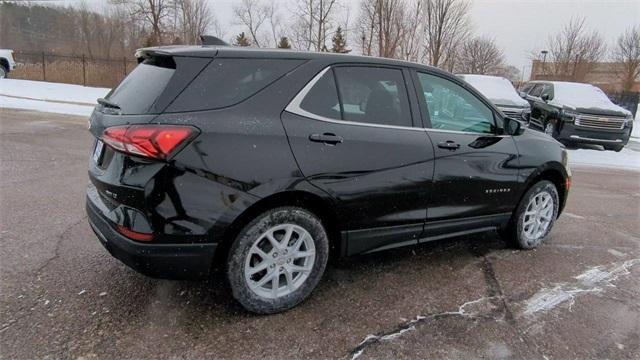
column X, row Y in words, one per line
column 63, row 296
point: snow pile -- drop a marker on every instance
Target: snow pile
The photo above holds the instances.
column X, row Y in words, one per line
column 626, row 159
column 49, row 97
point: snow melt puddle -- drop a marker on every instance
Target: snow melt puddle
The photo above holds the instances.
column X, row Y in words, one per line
column 590, row 281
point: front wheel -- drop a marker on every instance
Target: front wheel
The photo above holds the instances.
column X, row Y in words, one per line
column 616, row 148
column 277, row 260
column 534, row 217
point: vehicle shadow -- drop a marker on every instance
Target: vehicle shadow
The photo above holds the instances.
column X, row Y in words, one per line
column 212, row 298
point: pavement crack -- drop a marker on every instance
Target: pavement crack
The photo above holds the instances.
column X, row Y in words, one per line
column 56, row 251
column 419, row 321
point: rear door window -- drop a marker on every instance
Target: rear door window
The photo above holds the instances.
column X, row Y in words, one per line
column 226, row 81
column 373, row 95
column 322, row 99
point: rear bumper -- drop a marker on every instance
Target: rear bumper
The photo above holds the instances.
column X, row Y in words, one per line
column 166, row 261
column 576, row 134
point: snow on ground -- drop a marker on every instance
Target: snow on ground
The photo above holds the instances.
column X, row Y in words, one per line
column 49, row 97
column 626, row 159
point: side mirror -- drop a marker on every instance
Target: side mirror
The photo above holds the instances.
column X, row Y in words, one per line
column 522, row 94
column 512, row 126
column 545, row 97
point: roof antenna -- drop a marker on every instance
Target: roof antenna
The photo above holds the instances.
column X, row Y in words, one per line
column 212, row 40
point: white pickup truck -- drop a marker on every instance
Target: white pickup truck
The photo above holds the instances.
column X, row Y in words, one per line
column 7, row 63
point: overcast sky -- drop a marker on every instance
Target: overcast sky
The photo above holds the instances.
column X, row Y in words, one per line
column 518, row 26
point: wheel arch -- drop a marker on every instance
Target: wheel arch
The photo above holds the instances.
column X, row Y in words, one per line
column 554, row 173
column 319, row 206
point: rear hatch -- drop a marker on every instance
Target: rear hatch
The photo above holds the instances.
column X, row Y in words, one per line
column 121, row 178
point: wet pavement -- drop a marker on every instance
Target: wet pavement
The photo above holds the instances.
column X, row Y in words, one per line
column 63, row 296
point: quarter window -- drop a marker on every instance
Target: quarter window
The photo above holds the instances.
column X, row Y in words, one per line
column 225, row 82
column 452, row 107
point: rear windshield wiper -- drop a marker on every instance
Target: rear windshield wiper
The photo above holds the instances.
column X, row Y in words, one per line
column 107, row 103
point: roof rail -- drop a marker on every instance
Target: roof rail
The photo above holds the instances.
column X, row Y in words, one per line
column 212, row 40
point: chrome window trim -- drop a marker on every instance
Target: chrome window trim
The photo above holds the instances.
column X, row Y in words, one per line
column 294, row 108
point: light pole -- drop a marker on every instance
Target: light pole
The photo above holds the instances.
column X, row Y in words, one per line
column 544, row 61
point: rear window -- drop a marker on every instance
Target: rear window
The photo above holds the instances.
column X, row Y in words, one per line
column 225, row 82
column 139, row 90
column 151, row 86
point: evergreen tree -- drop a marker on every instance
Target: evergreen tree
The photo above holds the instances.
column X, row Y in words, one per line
column 284, row 43
column 241, row 40
column 339, row 42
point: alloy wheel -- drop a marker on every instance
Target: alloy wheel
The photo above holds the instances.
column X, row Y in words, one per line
column 279, row 261
column 537, row 217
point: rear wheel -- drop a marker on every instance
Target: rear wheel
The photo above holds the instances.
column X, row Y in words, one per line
column 535, row 216
column 277, row 260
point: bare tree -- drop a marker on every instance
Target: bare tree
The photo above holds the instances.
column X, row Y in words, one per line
column 313, row 26
column 479, row 55
column 152, row 13
column 410, row 46
column 509, row 72
column 195, row 19
column 383, row 27
column 627, row 53
column 275, row 20
column 574, row 51
column 445, row 28
column 252, row 14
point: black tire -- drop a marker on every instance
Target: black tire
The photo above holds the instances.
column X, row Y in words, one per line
column 251, row 233
column 616, row 148
column 514, row 232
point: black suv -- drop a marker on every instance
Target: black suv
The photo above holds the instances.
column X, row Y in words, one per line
column 578, row 113
column 269, row 162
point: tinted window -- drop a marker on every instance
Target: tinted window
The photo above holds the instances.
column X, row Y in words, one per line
column 226, row 82
column 373, row 95
column 548, row 90
column 536, row 91
column 322, row 99
column 452, row 107
column 137, row 93
column 527, row 87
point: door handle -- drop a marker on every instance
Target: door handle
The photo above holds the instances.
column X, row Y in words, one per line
column 450, row 145
column 326, row 138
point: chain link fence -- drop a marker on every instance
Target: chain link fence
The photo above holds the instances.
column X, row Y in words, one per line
column 71, row 69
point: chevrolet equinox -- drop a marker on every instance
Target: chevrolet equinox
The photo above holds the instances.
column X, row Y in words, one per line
column 265, row 163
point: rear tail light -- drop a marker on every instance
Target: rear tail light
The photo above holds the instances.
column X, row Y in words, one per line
column 152, row 141
column 134, row 234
